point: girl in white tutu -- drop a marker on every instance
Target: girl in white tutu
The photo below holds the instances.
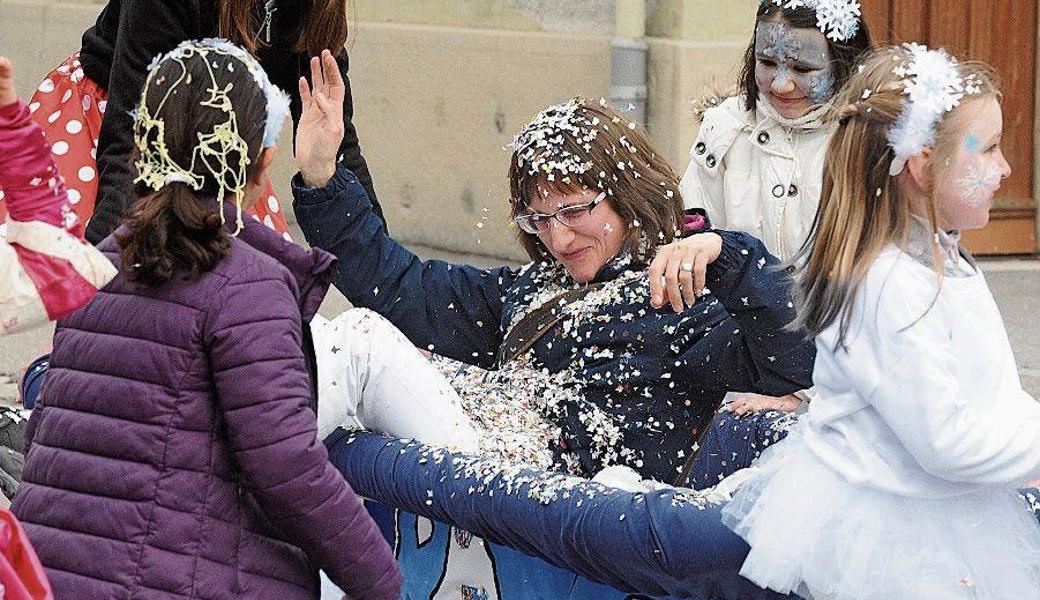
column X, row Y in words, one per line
column 899, row 482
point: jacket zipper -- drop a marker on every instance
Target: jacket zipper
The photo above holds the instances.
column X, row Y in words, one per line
column 265, row 27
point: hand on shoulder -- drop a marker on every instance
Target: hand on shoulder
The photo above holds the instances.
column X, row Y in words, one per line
column 679, row 270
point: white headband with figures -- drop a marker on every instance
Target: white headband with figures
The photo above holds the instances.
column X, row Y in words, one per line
column 156, row 168
column 836, row 19
column 933, row 88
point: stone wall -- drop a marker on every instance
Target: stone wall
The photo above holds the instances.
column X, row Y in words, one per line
column 441, row 86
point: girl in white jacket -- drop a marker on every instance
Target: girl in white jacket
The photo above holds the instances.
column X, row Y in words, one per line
column 757, row 163
column 922, row 429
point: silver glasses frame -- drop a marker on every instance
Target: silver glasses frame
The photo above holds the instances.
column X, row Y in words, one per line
column 526, row 222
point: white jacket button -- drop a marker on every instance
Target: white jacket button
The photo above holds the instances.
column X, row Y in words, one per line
column 778, row 191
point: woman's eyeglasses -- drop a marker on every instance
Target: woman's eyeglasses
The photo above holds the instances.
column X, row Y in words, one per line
column 568, row 216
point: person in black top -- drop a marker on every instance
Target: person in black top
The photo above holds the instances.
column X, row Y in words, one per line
column 113, row 61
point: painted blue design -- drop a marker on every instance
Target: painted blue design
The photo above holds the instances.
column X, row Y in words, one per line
column 784, row 75
column 519, row 577
column 972, row 144
column 471, row 593
column 426, row 562
column 821, row 87
column 780, row 43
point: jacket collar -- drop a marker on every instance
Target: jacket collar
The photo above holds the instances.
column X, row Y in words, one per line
column 921, row 241
column 767, row 115
column 311, row 269
column 617, row 266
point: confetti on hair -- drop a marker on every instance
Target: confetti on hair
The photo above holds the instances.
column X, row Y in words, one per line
column 539, row 146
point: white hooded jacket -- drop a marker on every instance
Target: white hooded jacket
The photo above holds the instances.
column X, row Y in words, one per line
column 758, row 172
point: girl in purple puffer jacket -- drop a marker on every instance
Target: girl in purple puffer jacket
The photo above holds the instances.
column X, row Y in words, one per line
column 172, row 453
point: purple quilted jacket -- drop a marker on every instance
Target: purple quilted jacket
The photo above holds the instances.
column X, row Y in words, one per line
column 173, row 452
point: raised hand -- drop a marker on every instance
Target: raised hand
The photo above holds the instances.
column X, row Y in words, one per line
column 7, row 95
column 320, row 131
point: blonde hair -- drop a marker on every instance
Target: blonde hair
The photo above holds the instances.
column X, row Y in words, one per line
column 862, row 208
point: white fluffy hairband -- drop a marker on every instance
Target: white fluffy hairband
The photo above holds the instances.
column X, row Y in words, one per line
column 836, row 19
column 933, row 87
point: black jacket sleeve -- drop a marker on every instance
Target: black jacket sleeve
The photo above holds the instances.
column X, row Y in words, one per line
column 147, row 28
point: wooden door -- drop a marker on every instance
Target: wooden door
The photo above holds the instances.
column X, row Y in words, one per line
column 1004, row 34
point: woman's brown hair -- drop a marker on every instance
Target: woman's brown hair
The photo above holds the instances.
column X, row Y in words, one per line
column 323, row 25
column 587, row 144
column 175, row 229
column 862, row 208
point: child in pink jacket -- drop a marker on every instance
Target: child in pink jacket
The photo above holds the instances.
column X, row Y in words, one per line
column 46, row 269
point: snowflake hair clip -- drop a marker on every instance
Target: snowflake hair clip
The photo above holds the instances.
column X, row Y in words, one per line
column 933, row 87
column 836, row 19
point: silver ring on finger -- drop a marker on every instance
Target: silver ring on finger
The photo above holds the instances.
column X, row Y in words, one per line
column 687, row 266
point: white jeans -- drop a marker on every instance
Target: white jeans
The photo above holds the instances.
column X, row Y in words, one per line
column 369, row 374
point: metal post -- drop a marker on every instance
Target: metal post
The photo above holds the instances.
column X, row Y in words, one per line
column 628, row 60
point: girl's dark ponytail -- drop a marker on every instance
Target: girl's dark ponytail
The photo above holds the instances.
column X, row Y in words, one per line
column 169, row 230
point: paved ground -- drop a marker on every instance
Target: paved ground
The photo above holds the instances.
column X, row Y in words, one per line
column 1015, row 284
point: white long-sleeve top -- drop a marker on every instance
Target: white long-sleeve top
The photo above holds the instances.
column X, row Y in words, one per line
column 925, row 400
column 758, row 172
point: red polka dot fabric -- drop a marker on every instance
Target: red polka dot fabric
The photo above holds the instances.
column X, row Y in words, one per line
column 69, row 107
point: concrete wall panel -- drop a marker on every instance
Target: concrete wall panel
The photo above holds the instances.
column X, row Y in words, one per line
column 435, row 104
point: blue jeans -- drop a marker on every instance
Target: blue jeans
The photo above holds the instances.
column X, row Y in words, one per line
column 33, row 380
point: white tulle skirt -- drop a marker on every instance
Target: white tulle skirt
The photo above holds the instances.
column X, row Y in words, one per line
column 815, row 534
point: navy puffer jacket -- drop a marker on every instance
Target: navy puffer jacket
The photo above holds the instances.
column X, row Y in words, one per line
column 659, row 375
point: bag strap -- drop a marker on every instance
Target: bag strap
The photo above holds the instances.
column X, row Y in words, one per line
column 699, row 434
column 538, row 322
column 522, row 336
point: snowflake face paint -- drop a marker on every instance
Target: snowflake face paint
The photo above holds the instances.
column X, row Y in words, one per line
column 976, row 168
column 792, row 67
column 978, row 185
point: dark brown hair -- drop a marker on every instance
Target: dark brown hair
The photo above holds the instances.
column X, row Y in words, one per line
column 844, row 55
column 323, row 25
column 176, row 229
column 644, row 191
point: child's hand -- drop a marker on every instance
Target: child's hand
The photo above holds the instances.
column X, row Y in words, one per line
column 748, row 404
column 320, row 130
column 7, row 95
column 678, row 272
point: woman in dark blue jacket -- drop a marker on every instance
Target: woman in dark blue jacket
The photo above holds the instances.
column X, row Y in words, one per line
column 592, row 201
